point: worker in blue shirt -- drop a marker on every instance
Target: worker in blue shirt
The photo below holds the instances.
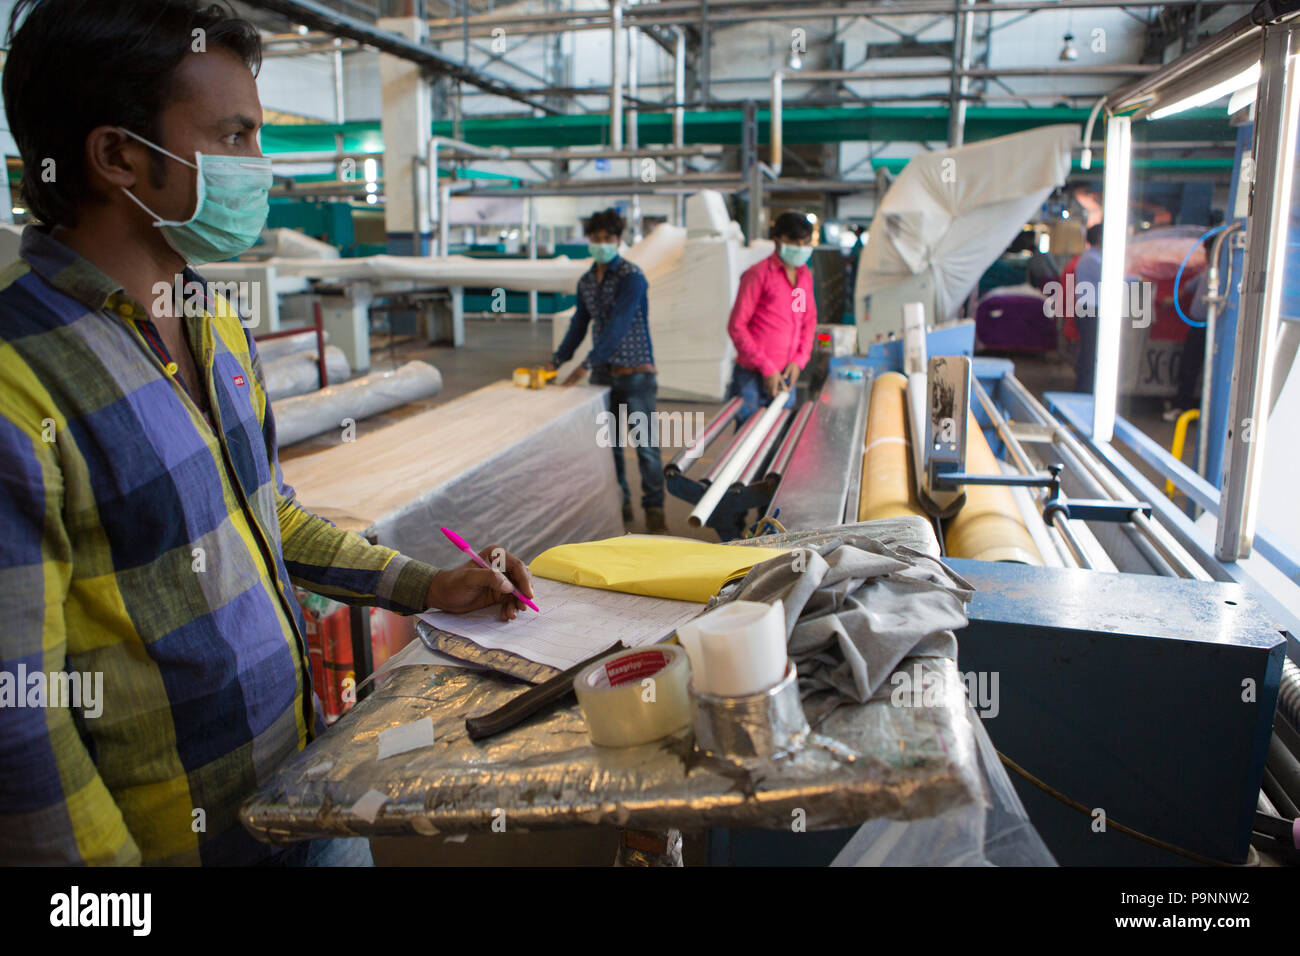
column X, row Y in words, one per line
column 612, row 299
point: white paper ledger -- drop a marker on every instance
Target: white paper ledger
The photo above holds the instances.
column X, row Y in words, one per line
column 574, row 623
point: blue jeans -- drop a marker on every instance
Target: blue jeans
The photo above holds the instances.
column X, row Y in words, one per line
column 748, row 384
column 636, row 393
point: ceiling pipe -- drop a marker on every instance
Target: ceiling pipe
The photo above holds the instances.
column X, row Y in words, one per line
column 688, row 13
column 776, row 134
column 319, row 17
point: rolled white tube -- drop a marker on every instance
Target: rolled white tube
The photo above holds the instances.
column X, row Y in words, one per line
column 736, row 465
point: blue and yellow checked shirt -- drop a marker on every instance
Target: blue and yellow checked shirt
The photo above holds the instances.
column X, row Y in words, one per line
column 143, row 544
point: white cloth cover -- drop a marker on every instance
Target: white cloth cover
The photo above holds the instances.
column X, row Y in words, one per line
column 953, row 212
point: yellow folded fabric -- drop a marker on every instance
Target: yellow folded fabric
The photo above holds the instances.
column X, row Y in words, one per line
column 651, row 564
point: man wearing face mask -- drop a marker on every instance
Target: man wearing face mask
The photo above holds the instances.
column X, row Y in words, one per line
column 774, row 318
column 612, row 300
column 148, row 544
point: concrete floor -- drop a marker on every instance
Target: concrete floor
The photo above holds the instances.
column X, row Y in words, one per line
column 492, row 351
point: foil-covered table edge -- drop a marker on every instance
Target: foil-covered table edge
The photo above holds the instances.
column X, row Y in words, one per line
column 879, row 759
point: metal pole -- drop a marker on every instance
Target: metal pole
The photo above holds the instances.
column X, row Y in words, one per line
column 339, row 104
column 633, row 134
column 753, row 169
column 444, row 220
column 706, row 41
column 679, row 115
column 1261, row 293
column 1211, row 317
column 616, row 74
column 532, row 254
column 963, row 32
column 776, row 133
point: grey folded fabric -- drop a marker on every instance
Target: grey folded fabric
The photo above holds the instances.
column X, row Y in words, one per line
column 854, row 608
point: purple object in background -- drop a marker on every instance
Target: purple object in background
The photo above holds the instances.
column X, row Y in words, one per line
column 1015, row 319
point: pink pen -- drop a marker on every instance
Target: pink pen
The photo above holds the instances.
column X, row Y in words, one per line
column 461, row 543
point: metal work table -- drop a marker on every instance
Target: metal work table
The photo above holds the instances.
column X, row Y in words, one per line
column 864, row 761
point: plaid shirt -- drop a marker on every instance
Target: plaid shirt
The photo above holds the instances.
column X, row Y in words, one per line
column 145, row 548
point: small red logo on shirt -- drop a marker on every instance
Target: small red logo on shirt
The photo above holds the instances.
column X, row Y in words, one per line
column 239, row 380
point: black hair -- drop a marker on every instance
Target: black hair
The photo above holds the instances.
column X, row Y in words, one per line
column 1094, row 235
column 792, row 225
column 75, row 65
column 607, row 220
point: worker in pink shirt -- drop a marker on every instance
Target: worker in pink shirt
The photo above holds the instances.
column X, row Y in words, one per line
column 773, row 320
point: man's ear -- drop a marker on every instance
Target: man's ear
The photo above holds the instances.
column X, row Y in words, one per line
column 114, row 160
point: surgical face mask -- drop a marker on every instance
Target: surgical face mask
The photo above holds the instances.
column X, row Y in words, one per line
column 603, row 252
column 233, row 203
column 795, row 256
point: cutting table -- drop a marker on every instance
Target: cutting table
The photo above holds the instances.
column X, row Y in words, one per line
column 868, row 761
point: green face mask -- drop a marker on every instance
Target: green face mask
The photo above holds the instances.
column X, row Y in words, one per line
column 233, row 203
column 603, row 252
column 795, row 256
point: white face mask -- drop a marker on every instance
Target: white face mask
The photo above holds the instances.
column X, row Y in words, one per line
column 233, row 203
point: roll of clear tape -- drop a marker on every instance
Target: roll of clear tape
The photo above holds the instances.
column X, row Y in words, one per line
column 635, row 696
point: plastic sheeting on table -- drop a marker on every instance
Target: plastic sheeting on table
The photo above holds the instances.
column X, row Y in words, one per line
column 997, row 833
column 521, row 468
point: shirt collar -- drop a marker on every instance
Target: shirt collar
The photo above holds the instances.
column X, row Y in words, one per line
column 776, row 262
column 608, row 265
column 66, row 271
column 77, row 277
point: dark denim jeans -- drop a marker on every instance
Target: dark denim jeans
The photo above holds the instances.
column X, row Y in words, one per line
column 748, row 384
column 635, row 392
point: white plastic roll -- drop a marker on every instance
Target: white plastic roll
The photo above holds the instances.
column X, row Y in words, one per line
column 273, row 349
column 635, row 696
column 299, row 373
column 306, row 415
column 738, row 649
column 736, row 464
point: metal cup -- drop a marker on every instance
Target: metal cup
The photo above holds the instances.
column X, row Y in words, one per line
column 768, row 724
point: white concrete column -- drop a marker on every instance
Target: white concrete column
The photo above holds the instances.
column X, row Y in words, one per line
column 407, row 125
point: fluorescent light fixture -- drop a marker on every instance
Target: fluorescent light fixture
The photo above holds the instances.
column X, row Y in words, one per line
column 1111, row 295
column 1044, row 242
column 371, row 168
column 1247, row 77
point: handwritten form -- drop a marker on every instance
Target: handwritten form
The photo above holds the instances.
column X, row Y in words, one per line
column 574, row 623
